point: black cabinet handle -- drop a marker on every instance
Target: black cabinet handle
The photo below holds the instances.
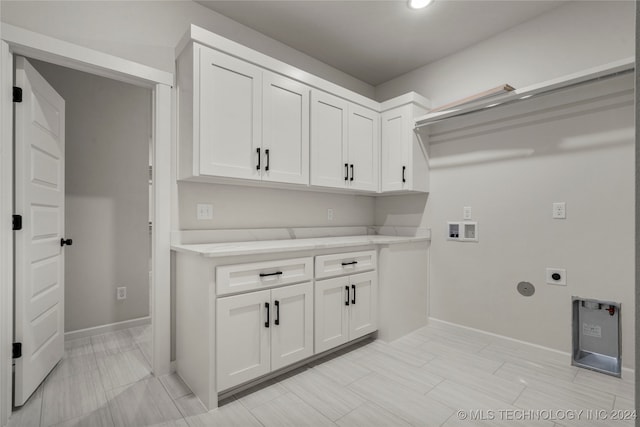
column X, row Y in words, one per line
column 349, row 263
column 277, row 304
column 277, row 273
column 258, row 165
column 267, row 154
column 346, row 171
column 353, row 300
column 346, row 288
column 67, row 242
column 404, row 168
column 351, row 172
column 266, row 305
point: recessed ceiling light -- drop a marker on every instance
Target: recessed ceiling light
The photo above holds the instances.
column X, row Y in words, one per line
column 419, row 4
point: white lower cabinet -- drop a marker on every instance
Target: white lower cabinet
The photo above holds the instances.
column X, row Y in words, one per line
column 346, row 308
column 262, row 331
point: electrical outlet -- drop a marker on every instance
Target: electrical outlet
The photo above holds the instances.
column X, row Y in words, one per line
column 204, row 211
column 330, row 214
column 559, row 210
column 121, row 293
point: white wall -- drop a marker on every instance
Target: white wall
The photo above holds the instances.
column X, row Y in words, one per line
column 510, row 173
column 108, row 126
column 253, row 207
column 573, row 37
column 148, row 31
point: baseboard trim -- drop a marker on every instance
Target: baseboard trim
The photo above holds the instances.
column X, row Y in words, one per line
column 102, row 329
column 626, row 372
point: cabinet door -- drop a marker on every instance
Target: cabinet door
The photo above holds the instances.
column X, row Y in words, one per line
column 363, row 308
column 328, row 140
column 242, row 338
column 331, row 321
column 285, row 140
column 394, row 151
column 291, row 324
column 230, row 116
column 363, row 148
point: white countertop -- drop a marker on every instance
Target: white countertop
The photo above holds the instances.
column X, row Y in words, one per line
column 213, row 250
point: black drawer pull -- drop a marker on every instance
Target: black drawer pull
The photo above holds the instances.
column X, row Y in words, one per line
column 277, row 304
column 277, row 273
column 353, row 300
column 404, row 168
column 349, row 263
column 346, row 171
column 258, row 165
column 346, row 288
column 351, row 173
column 266, row 305
column 266, row 168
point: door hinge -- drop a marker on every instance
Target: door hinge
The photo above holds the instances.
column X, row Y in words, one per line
column 17, row 94
column 17, row 350
column 17, row 222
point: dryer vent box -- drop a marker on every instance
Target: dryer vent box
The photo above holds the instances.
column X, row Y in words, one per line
column 596, row 336
column 463, row 231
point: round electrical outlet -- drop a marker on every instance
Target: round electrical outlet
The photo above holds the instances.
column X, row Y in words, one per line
column 556, row 276
column 526, row 289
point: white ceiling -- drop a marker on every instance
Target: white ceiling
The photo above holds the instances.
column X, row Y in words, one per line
column 376, row 41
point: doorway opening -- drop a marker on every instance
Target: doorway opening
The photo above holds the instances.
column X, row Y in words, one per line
column 17, row 41
column 105, row 282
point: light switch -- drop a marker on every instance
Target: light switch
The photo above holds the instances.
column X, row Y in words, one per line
column 559, row 210
column 466, row 212
column 204, row 211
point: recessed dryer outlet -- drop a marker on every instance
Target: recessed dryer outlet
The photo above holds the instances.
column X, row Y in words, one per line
column 557, row 276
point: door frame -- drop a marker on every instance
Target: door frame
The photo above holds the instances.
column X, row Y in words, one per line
column 18, row 41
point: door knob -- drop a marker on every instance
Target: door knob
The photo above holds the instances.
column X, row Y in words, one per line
column 64, row 241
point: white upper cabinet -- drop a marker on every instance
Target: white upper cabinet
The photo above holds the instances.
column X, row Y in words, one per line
column 285, row 131
column 244, row 117
column 344, row 144
column 363, row 148
column 394, row 149
column 237, row 120
column 404, row 165
column 328, row 140
column 230, row 116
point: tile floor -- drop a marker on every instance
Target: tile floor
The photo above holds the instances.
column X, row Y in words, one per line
column 423, row 379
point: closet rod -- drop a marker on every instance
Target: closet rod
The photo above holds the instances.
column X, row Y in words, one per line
column 514, row 97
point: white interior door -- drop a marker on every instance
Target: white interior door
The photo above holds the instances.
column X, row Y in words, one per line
column 39, row 256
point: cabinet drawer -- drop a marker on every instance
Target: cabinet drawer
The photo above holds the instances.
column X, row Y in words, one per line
column 262, row 275
column 346, row 263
